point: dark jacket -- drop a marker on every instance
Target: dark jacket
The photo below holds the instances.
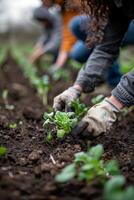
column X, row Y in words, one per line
column 107, row 52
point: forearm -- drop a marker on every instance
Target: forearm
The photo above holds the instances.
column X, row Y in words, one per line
column 102, row 57
column 62, row 59
column 95, row 70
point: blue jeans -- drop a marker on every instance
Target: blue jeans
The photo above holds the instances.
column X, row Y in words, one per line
column 81, row 53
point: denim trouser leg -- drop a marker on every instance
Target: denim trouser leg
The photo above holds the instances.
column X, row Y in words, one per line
column 114, row 71
column 129, row 36
column 77, row 27
column 79, row 52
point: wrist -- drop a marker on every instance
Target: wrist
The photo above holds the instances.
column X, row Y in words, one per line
column 118, row 104
column 78, row 87
column 75, row 91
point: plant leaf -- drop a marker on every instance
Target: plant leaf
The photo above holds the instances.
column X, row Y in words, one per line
column 67, row 174
column 96, row 151
column 3, row 151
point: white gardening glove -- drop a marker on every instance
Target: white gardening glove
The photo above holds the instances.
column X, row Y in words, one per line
column 99, row 118
column 64, row 100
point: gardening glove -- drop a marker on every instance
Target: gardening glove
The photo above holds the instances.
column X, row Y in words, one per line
column 64, row 100
column 53, row 69
column 98, row 119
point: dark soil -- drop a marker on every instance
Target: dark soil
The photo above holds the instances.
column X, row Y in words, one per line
column 27, row 171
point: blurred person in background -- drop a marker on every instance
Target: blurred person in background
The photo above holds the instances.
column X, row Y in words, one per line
column 68, row 39
column 110, row 20
column 49, row 42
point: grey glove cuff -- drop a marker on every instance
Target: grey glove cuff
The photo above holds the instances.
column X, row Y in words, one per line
column 77, row 92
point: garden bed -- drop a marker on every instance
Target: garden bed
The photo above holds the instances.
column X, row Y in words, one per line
column 27, row 171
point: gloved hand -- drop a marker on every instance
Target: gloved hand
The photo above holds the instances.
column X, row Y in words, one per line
column 64, row 100
column 53, row 69
column 98, row 119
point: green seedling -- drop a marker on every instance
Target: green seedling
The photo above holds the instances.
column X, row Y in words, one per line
column 5, row 96
column 44, row 88
column 3, row 54
column 5, row 99
column 12, row 126
column 89, row 166
column 49, row 137
column 114, row 189
column 64, row 122
column 61, row 74
column 79, row 108
column 97, row 99
column 3, row 151
column 75, row 65
column 126, row 111
column 41, row 84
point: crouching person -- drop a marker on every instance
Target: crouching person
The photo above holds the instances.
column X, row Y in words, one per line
column 110, row 23
column 49, row 42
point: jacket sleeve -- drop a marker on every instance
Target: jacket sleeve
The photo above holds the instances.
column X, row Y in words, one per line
column 53, row 42
column 124, row 91
column 103, row 55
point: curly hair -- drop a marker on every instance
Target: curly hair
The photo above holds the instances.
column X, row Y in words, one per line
column 98, row 12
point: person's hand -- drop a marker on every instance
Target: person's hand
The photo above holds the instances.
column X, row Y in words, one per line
column 98, row 119
column 54, row 68
column 36, row 55
column 64, row 100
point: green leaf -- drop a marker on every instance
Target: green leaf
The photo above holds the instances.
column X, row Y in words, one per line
column 79, row 108
column 112, row 167
column 49, row 137
column 48, row 118
column 67, row 174
column 96, row 151
column 74, row 122
column 3, row 151
column 61, row 74
column 61, row 134
column 81, row 157
column 129, row 193
column 5, row 94
column 63, row 121
column 97, row 99
column 114, row 184
column 12, row 126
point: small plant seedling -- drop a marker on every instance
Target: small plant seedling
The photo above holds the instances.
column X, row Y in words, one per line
column 49, row 137
column 97, row 99
column 114, row 189
column 88, row 166
column 12, row 126
column 5, row 96
column 126, row 111
column 75, row 65
column 5, row 99
column 43, row 87
column 41, row 84
column 79, row 108
column 61, row 74
column 3, row 151
column 64, row 122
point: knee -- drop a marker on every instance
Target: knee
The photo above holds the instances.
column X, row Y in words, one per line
column 78, row 57
column 74, row 25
